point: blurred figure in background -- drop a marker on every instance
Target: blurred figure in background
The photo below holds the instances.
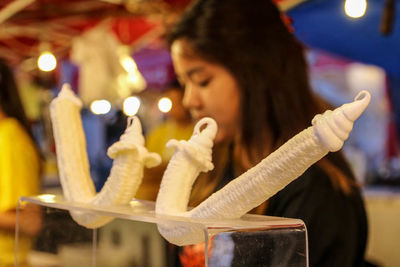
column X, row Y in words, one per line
column 240, row 64
column 177, row 125
column 19, row 172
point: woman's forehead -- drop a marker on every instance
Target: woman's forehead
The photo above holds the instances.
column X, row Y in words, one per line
column 183, row 48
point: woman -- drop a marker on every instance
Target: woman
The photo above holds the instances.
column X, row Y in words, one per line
column 19, row 172
column 240, row 65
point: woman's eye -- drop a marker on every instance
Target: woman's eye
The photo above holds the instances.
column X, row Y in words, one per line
column 204, row 83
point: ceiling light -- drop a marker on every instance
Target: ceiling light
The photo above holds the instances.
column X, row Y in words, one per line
column 355, row 8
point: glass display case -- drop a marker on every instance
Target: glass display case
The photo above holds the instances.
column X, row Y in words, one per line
column 132, row 238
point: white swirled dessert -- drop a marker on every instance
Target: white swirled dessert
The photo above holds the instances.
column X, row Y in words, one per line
column 129, row 154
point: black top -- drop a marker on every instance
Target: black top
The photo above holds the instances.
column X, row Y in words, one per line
column 336, row 223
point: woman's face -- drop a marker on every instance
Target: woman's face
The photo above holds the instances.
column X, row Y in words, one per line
column 210, row 90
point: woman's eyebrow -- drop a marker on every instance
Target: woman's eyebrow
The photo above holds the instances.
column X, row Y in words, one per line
column 192, row 71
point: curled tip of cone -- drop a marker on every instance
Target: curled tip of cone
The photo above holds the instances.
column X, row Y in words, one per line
column 67, row 93
column 354, row 110
column 66, row 89
column 134, row 124
column 208, row 126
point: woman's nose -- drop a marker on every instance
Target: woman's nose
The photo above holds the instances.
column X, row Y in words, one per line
column 190, row 98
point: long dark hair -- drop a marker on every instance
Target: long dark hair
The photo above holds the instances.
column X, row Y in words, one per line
column 10, row 101
column 250, row 40
column 253, row 43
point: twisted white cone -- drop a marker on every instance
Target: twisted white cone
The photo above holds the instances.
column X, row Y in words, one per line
column 191, row 158
column 328, row 133
column 129, row 154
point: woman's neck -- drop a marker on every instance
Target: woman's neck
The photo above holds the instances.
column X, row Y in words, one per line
column 249, row 155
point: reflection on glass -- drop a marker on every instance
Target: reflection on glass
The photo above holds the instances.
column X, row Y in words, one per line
column 48, row 198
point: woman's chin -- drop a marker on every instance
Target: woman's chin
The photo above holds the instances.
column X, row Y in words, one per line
column 221, row 137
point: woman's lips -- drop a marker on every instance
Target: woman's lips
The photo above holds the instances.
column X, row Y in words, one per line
column 197, row 115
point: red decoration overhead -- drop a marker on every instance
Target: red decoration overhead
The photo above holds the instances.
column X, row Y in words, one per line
column 57, row 22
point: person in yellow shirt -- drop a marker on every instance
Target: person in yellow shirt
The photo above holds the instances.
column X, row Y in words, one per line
column 177, row 125
column 19, row 173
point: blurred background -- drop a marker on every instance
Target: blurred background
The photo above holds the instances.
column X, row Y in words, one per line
column 114, row 55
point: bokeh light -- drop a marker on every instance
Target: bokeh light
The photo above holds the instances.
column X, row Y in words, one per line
column 165, row 104
column 131, row 105
column 47, row 61
column 100, row 107
column 129, row 64
column 355, row 8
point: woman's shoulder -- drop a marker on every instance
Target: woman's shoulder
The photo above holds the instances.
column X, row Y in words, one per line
column 314, row 187
column 9, row 126
column 11, row 129
column 313, row 178
column 331, row 216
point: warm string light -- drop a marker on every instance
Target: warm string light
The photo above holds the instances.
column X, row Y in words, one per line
column 47, row 61
column 131, row 105
column 133, row 75
column 355, row 8
column 164, row 104
column 128, row 64
column 100, row 107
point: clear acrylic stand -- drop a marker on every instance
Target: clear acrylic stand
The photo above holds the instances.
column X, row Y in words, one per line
column 132, row 238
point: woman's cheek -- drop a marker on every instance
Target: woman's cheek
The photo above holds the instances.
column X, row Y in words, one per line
column 220, row 137
column 223, row 135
